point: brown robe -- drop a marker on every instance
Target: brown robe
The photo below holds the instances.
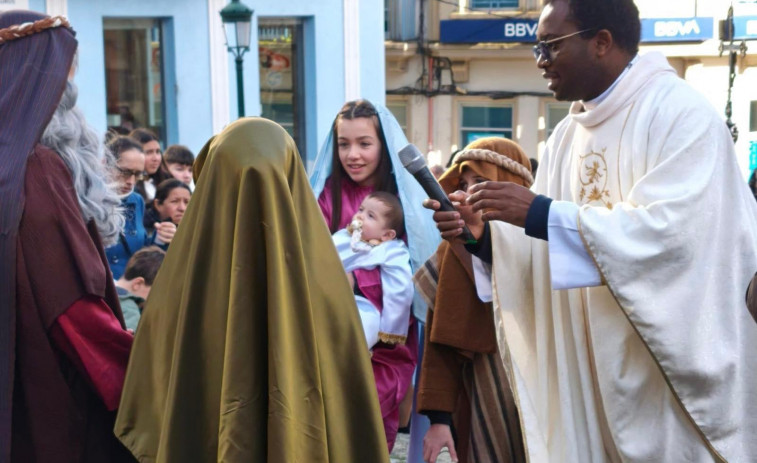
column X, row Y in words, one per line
column 462, row 372
column 57, row 416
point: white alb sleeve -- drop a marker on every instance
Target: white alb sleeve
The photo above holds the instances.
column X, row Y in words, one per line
column 482, row 273
column 570, row 264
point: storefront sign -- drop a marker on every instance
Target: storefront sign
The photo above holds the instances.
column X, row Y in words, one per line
column 524, row 30
column 677, row 29
column 14, row 5
column 745, row 27
column 487, row 30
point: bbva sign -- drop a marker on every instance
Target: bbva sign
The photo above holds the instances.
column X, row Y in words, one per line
column 676, row 29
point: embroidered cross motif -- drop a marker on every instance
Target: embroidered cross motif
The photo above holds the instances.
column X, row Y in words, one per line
column 592, row 175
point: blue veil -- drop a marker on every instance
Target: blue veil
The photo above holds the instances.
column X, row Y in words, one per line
column 422, row 235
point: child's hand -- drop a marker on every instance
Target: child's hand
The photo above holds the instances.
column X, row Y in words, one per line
column 437, row 437
column 471, row 218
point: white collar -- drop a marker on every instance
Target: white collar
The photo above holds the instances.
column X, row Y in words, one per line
column 591, row 104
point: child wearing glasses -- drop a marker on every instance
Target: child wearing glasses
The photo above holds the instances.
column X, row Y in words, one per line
column 129, row 169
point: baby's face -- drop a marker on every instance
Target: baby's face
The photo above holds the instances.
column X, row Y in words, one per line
column 372, row 215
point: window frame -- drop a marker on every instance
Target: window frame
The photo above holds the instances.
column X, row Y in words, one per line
column 518, row 5
column 168, row 131
column 397, row 100
column 483, row 103
column 298, row 68
column 547, row 106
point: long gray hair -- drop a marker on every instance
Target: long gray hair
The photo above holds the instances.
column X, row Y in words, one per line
column 78, row 145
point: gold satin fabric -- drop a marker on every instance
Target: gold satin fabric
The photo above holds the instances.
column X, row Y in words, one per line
column 246, row 350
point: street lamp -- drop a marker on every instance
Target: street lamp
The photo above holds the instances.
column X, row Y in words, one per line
column 727, row 33
column 237, row 19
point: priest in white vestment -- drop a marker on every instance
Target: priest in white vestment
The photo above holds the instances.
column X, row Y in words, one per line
column 625, row 330
column 651, row 357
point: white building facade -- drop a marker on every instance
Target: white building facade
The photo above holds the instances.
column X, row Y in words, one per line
column 484, row 79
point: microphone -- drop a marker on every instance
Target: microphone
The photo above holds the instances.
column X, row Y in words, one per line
column 413, row 161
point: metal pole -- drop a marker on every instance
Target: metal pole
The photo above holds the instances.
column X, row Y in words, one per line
column 731, row 77
column 240, row 87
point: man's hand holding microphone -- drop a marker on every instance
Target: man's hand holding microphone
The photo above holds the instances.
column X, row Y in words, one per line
column 462, row 215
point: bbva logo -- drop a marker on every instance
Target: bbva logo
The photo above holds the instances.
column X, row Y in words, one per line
column 676, row 28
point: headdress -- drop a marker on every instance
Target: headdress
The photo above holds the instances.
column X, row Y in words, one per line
column 18, row 31
column 495, row 158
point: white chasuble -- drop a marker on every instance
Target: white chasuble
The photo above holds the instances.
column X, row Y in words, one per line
column 659, row 364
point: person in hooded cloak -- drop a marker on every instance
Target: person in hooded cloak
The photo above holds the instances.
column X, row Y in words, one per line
column 240, row 353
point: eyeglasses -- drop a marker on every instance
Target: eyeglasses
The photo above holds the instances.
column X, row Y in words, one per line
column 546, row 48
column 128, row 173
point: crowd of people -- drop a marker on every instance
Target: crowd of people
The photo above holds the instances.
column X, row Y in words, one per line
column 159, row 307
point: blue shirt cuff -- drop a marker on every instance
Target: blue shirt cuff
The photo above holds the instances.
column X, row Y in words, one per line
column 537, row 219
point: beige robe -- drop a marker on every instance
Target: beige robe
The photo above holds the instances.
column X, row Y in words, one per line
column 658, row 364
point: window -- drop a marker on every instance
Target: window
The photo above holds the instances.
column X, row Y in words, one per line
column 753, row 116
column 399, row 110
column 134, row 75
column 485, row 121
column 555, row 113
column 281, row 75
column 399, row 20
column 493, row 4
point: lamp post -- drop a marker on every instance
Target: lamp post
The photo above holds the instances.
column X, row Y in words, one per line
column 237, row 19
column 727, row 33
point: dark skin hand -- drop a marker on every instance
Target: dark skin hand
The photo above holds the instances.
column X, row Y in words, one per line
column 450, row 223
column 503, row 201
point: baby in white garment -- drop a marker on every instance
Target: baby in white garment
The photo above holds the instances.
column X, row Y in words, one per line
column 370, row 241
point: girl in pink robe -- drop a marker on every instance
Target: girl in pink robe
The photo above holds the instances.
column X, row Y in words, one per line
column 360, row 157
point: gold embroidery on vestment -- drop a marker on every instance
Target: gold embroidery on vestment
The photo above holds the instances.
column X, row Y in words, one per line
column 592, row 174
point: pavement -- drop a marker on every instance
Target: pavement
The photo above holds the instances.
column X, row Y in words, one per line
column 399, row 454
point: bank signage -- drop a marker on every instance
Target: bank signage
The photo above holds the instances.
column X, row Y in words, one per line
column 745, row 27
column 677, row 29
column 488, row 30
column 520, row 30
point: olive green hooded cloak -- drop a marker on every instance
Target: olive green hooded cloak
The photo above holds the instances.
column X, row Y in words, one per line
column 246, row 350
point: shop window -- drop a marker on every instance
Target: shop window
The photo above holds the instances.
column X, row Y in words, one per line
column 280, row 45
column 134, row 75
column 493, row 4
column 485, row 121
column 555, row 113
column 399, row 110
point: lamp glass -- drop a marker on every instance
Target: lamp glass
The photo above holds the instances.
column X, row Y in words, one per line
column 230, row 31
column 243, row 34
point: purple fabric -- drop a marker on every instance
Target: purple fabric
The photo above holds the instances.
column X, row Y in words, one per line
column 33, row 75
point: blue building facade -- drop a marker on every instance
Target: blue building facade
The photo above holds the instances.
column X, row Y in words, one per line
column 163, row 64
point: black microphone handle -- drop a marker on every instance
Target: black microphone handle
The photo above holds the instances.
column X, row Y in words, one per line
column 435, row 192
